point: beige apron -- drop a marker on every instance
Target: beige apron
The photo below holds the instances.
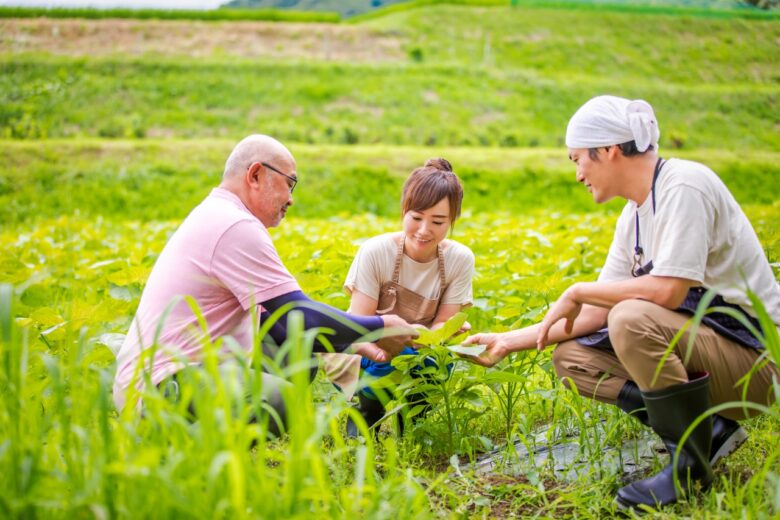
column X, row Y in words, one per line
column 344, row 369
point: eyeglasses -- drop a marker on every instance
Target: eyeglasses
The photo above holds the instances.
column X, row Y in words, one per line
column 293, row 179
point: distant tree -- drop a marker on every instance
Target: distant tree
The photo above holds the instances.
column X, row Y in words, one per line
column 763, row 4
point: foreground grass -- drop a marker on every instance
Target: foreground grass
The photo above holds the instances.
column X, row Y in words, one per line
column 66, row 452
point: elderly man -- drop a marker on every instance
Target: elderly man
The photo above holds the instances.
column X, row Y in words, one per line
column 223, row 258
column 681, row 233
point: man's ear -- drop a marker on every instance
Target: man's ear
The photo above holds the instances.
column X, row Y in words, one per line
column 614, row 152
column 253, row 173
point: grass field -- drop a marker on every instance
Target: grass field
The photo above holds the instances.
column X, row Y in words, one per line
column 108, row 143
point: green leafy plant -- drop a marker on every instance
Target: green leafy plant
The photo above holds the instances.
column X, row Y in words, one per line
column 442, row 385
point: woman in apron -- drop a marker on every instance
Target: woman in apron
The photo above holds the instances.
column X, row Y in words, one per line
column 416, row 273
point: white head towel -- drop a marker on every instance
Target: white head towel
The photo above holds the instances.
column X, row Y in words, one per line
column 609, row 120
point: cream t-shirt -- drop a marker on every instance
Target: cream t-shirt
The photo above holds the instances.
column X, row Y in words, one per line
column 374, row 261
column 698, row 232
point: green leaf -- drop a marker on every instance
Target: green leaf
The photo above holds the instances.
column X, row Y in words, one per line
column 467, row 350
column 452, row 326
column 427, row 337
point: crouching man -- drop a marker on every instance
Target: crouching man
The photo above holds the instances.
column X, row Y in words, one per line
column 680, row 234
column 223, row 257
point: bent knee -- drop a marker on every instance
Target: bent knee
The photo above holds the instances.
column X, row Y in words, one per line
column 628, row 311
column 629, row 321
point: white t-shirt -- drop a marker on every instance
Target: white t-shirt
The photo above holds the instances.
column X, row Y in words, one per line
column 373, row 265
column 698, row 232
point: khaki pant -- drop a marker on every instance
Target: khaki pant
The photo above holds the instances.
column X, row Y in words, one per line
column 640, row 333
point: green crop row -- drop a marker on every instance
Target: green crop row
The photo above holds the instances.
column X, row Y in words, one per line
column 353, row 104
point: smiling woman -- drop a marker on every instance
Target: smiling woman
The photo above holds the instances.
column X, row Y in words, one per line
column 417, row 273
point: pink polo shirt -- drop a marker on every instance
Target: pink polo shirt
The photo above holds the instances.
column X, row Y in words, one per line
column 223, row 257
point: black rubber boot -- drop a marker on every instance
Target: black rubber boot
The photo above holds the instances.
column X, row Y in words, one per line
column 727, row 435
column 370, row 409
column 670, row 411
column 630, row 401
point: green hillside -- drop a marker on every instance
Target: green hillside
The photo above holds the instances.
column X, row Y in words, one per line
column 425, row 76
column 35, row 183
column 349, row 8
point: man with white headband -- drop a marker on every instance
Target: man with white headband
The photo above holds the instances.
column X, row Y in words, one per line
column 681, row 239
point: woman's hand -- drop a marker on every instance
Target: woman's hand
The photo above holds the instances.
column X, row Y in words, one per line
column 464, row 328
column 400, row 334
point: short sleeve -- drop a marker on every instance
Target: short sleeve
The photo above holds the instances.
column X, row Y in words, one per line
column 683, row 230
column 459, row 288
column 245, row 261
column 364, row 273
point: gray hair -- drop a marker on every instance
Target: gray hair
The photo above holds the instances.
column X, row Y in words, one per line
column 254, row 148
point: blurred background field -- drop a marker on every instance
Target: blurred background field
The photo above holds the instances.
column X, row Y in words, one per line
column 112, row 129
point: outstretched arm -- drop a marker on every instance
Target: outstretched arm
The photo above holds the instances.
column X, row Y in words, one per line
column 582, row 309
column 499, row 345
column 347, row 328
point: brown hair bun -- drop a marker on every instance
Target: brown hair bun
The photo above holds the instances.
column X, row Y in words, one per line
column 438, row 163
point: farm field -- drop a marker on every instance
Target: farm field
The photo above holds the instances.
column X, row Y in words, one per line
column 106, row 143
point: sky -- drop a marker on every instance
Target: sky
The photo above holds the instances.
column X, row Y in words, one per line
column 160, row 4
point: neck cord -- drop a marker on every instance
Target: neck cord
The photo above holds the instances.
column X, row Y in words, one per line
column 638, row 251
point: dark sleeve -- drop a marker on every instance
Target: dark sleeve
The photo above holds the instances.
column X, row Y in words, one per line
column 346, row 328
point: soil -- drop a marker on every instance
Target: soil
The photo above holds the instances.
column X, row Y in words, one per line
column 199, row 39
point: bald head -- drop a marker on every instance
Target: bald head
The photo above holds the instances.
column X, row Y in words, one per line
column 255, row 148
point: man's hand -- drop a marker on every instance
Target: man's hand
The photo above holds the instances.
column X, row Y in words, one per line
column 566, row 308
column 496, row 348
column 372, row 352
column 402, row 335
